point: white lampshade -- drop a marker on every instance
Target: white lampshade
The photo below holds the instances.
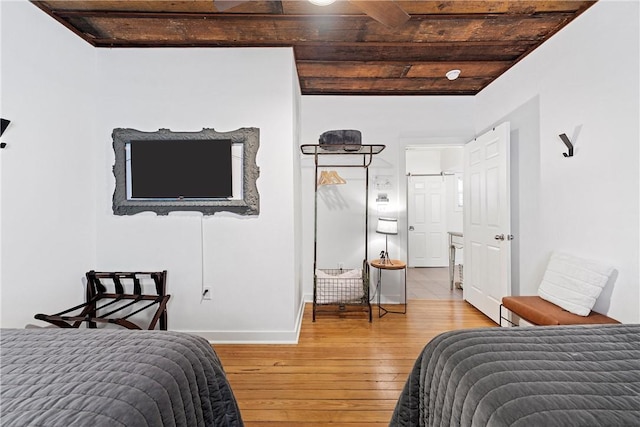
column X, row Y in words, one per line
column 387, row 226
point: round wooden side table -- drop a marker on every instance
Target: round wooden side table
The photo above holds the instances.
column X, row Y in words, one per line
column 389, row 264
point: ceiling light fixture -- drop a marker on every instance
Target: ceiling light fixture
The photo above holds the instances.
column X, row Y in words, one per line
column 453, row 74
column 322, row 2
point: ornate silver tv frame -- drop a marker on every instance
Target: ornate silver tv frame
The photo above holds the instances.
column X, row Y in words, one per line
column 250, row 203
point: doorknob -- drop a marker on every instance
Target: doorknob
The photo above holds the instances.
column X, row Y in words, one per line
column 411, row 228
column 499, row 237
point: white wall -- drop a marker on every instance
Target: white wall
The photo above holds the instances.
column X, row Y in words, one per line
column 1, row 172
column 582, row 82
column 64, row 99
column 420, row 160
column 47, row 185
column 248, row 262
column 397, row 122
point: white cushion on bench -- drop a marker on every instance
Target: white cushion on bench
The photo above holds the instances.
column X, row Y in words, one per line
column 573, row 283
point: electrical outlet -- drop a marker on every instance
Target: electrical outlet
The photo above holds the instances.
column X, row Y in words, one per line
column 206, row 293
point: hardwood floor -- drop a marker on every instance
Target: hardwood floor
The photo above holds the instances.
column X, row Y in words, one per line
column 344, row 370
column 431, row 283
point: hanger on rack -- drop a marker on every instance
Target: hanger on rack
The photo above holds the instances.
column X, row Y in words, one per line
column 330, row 178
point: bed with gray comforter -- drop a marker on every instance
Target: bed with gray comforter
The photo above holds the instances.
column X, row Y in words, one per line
column 93, row 377
column 540, row 376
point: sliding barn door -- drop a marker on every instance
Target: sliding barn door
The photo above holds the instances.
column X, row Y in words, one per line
column 427, row 217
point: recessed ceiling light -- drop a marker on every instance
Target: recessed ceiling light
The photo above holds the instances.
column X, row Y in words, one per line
column 322, row 2
column 453, row 74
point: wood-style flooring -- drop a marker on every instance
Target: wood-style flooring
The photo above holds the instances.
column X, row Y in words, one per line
column 432, row 283
column 344, row 370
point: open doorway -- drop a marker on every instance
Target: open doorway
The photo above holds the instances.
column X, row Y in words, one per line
column 434, row 210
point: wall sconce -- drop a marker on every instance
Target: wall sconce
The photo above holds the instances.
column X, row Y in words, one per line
column 386, row 226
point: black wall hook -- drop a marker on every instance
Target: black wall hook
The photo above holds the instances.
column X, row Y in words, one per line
column 568, row 143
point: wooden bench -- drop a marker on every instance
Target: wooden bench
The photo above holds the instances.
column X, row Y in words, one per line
column 540, row 312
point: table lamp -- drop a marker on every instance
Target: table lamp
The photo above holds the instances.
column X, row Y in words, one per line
column 387, row 226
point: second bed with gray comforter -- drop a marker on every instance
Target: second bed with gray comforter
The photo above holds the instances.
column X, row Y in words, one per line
column 540, row 376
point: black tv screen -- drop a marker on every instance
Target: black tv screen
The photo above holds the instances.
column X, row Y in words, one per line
column 199, row 169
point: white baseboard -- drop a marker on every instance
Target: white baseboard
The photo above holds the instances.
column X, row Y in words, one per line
column 254, row 337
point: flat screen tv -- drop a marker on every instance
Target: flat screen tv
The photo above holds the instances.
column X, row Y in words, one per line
column 172, row 169
column 205, row 171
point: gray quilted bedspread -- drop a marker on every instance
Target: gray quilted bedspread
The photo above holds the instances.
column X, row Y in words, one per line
column 542, row 376
column 85, row 377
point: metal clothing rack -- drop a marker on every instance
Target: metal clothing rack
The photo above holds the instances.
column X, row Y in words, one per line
column 365, row 153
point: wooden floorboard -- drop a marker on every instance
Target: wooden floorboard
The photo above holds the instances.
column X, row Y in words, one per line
column 344, row 370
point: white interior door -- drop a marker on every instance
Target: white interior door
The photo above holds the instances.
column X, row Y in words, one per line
column 487, row 221
column 427, row 221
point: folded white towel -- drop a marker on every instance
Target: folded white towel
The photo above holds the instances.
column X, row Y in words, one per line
column 573, row 283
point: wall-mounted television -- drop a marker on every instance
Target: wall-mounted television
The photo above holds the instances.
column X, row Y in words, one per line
column 165, row 171
column 178, row 170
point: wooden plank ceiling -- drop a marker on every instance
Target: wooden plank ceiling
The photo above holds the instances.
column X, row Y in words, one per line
column 339, row 50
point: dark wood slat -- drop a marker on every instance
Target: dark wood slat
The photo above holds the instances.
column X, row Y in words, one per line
column 522, row 7
column 352, row 69
column 156, row 6
column 411, row 52
column 391, row 86
column 489, row 69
